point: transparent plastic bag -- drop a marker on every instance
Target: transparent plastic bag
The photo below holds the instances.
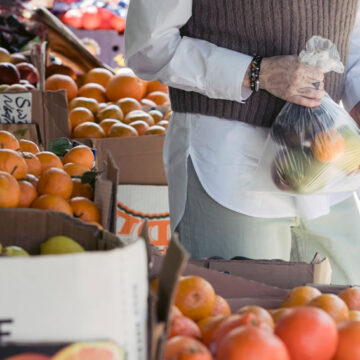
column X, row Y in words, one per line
column 312, row 150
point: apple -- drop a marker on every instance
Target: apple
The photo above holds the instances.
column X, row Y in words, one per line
column 17, row 58
column 9, row 74
column 28, row 72
column 4, row 56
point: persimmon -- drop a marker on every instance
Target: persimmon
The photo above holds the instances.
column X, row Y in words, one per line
column 55, row 181
column 13, row 163
column 82, row 155
column 8, row 141
column 159, row 98
column 99, row 76
column 128, row 104
column 62, row 82
column 93, row 91
column 195, row 297
column 80, row 115
column 49, row 160
column 328, row 145
column 32, row 162
column 84, row 209
column 300, row 295
column 88, row 130
column 186, row 348
column 138, row 115
column 52, row 202
column 351, row 297
column 9, row 191
column 28, row 194
column 80, row 189
column 28, row 146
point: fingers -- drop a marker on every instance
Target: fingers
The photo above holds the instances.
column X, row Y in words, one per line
column 311, row 93
column 312, row 73
column 304, row 101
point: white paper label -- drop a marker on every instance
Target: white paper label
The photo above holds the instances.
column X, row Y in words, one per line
column 15, row 108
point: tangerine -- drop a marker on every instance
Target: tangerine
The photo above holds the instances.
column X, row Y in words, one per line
column 75, row 170
column 159, row 98
column 8, row 141
column 208, row 327
column 221, row 307
column 80, row 115
column 80, row 189
column 333, row 305
column 88, row 103
column 32, row 162
column 260, row 312
column 55, row 181
column 88, row 130
column 110, row 112
column 106, row 124
column 156, row 115
column 186, row 348
column 99, row 76
column 9, row 191
column 351, row 297
column 128, row 104
column 62, row 82
column 32, row 179
column 328, row 145
column 52, row 202
column 28, row 146
column 93, row 91
column 300, row 295
column 85, row 209
column 155, row 85
column 155, row 130
column 81, row 155
column 349, row 345
column 122, row 130
column 28, row 194
column 136, row 115
column 49, row 160
column 140, row 126
column 13, row 163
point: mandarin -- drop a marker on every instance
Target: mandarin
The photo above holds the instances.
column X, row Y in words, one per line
column 147, row 103
column 163, row 123
column 73, row 169
column 83, row 190
column 32, row 179
column 328, row 145
column 28, row 146
column 93, row 91
column 208, row 327
column 99, row 76
column 136, row 115
column 155, row 130
column 351, row 296
column 28, row 194
column 156, row 115
column 110, row 112
column 260, row 312
column 49, row 160
column 84, row 209
column 300, row 295
column 155, row 85
column 82, row 155
column 333, row 305
column 159, row 98
column 185, row 348
column 278, row 313
column 32, row 162
column 122, row 130
column 13, row 163
column 80, row 115
column 55, row 181
column 106, row 124
column 88, row 103
column 349, row 341
column 8, row 141
column 52, row 202
column 140, row 126
column 221, row 307
column 62, row 82
column 9, row 191
column 88, row 130
column 128, row 104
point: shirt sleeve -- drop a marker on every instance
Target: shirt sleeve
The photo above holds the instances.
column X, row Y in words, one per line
column 154, row 49
column 351, row 95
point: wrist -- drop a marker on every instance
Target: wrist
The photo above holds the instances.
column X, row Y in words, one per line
column 264, row 70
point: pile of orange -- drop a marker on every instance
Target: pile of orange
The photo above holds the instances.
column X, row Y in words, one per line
column 102, row 104
column 308, row 325
column 42, row 180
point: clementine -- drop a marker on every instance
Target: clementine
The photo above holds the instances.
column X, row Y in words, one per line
column 208, row 327
column 260, row 312
column 8, row 141
column 80, row 155
column 159, row 98
column 55, row 181
column 185, row 348
column 93, row 91
column 140, row 126
column 62, row 82
column 88, row 130
column 110, row 112
column 221, row 307
column 28, row 194
column 138, row 115
column 155, row 130
column 80, row 189
column 155, row 85
column 147, row 103
column 278, row 313
column 351, row 296
column 168, row 115
column 300, row 295
column 28, row 146
column 13, row 163
column 349, row 345
column 328, row 145
column 195, row 297
column 9, row 191
column 250, row 342
column 32, row 179
column 163, row 123
column 80, row 115
column 32, row 162
column 73, row 169
column 84, row 209
column 122, row 130
column 308, row 333
column 333, row 305
column 88, row 103
column 156, row 115
column 52, row 202
column 49, row 160
column 106, row 124
column 128, row 104
column 99, row 76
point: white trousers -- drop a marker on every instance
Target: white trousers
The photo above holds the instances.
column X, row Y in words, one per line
column 208, row 229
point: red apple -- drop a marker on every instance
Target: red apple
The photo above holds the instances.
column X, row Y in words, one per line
column 4, row 56
column 9, row 74
column 28, row 72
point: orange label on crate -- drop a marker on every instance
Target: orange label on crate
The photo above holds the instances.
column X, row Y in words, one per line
column 130, row 222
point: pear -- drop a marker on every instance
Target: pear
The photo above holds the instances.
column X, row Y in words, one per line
column 15, row 251
column 60, row 245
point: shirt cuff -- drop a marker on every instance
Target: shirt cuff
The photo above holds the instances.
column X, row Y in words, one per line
column 225, row 73
column 351, row 94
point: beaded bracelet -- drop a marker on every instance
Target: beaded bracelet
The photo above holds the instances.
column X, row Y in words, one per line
column 255, row 72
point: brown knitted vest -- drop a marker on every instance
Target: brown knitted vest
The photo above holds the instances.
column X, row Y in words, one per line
column 267, row 28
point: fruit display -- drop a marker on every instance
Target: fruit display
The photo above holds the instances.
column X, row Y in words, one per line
column 308, row 325
column 17, row 74
column 42, row 180
column 313, row 149
column 102, row 104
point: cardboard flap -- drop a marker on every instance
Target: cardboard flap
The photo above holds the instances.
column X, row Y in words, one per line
column 23, row 131
column 322, row 270
column 63, row 42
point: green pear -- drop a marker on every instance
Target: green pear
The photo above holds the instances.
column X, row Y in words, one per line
column 60, row 245
column 15, row 251
column 349, row 161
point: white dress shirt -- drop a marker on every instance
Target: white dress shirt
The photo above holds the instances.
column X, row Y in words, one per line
column 225, row 153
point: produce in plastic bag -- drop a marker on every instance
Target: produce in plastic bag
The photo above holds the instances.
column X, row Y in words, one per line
column 312, row 149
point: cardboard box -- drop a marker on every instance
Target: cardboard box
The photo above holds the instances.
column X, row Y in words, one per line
column 74, row 297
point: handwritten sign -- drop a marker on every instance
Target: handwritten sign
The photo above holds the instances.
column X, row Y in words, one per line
column 15, row 108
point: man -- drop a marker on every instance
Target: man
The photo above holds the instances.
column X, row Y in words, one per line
column 204, row 49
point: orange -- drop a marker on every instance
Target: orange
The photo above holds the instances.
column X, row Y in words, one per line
column 125, row 84
column 80, row 115
column 185, row 348
column 32, row 162
column 52, row 202
column 155, row 85
column 208, row 327
column 122, row 130
column 128, row 104
column 168, row 115
column 55, row 182
column 181, row 325
column 28, row 146
column 8, row 141
column 159, row 98
column 155, row 130
column 110, row 112
column 349, row 345
column 308, row 333
column 88, row 103
column 156, row 115
column 140, row 126
column 49, row 160
column 12, row 163
column 260, row 312
column 93, row 91
column 328, row 145
column 251, row 342
column 81, row 155
column 32, row 179
column 106, row 124
column 83, row 190
column 221, row 307
column 60, row 69
column 9, row 191
column 75, row 169
column 354, row 315
column 351, row 296
column 333, row 305
column 62, row 82
column 88, row 130
column 99, row 76
column 28, row 194
column 99, row 226
column 300, row 295
column 163, row 123
column 147, row 103
column 138, row 115
column 195, row 297
column 278, row 313
column 85, row 209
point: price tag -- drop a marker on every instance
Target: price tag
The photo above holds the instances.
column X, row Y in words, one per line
column 15, row 108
